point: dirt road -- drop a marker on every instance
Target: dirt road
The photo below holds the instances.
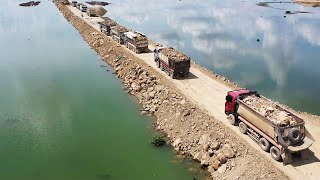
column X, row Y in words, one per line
column 209, row 94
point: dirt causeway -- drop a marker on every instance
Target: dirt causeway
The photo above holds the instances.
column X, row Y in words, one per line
column 191, row 128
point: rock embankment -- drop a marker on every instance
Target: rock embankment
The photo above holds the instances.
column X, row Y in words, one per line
column 189, row 129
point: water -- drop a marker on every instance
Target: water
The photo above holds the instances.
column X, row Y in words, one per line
column 62, row 116
column 222, row 36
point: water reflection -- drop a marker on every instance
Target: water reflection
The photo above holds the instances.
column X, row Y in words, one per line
column 223, row 37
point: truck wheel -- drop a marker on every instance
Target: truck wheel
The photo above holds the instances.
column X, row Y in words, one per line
column 295, row 135
column 275, row 153
column 158, row 64
column 232, row 119
column 186, row 74
column 243, row 128
column 264, row 144
column 171, row 75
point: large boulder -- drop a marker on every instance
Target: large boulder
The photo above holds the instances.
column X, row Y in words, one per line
column 203, row 139
column 227, row 151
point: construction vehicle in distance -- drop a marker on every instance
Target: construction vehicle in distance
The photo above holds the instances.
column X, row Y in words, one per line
column 74, row 3
column 136, row 41
column 82, row 7
column 105, row 26
column 276, row 129
column 172, row 61
column 117, row 33
column 91, row 12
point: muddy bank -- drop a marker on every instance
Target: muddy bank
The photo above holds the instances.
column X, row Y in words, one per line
column 190, row 130
column 30, row 3
column 308, row 3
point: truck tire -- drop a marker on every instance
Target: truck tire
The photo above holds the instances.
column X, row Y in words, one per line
column 264, row 144
column 158, row 62
column 186, row 74
column 295, row 135
column 232, row 119
column 171, row 74
column 243, row 128
column 275, row 153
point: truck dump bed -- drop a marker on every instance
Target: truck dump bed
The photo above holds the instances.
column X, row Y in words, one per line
column 118, row 30
column 271, row 111
column 140, row 39
column 108, row 22
column 275, row 121
column 174, row 55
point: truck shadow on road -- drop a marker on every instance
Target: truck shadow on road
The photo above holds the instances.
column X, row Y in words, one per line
column 304, row 158
column 190, row 76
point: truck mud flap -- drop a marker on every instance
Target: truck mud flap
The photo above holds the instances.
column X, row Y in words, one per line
column 286, row 157
column 280, row 139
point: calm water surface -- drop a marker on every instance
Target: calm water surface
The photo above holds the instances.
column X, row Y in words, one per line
column 62, row 116
column 222, row 36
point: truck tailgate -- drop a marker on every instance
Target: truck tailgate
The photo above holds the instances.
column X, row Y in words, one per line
column 306, row 143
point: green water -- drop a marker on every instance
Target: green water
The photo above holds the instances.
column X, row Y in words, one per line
column 62, row 116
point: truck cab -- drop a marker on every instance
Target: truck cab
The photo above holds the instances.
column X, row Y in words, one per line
column 231, row 100
column 156, row 52
column 83, row 8
column 74, row 3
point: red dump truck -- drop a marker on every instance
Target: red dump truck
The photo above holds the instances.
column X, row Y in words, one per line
column 172, row 61
column 136, row 42
column 276, row 129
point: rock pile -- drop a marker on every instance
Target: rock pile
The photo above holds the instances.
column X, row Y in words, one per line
column 270, row 110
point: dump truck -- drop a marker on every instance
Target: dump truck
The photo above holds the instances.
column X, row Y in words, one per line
column 136, row 42
column 91, row 12
column 172, row 61
column 79, row 5
column 272, row 126
column 105, row 26
column 83, row 8
column 74, row 3
column 117, row 33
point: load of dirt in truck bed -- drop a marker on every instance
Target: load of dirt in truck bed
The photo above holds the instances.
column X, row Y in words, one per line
column 140, row 37
column 270, row 110
column 108, row 22
column 174, row 55
column 120, row 29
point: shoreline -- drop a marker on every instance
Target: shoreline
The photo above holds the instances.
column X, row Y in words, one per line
column 192, row 132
